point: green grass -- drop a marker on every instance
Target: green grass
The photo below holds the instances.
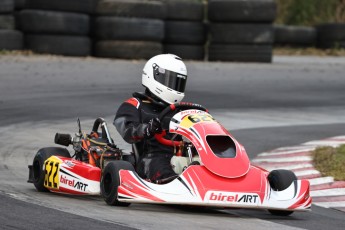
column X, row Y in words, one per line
column 330, row 161
column 309, row 12
column 308, row 51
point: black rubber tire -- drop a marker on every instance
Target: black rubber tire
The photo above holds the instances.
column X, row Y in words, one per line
column 328, row 35
column 127, row 49
column 185, row 32
column 242, row 10
column 81, row 6
column 111, row 180
column 59, row 44
column 186, row 52
column 133, row 8
column 280, row 180
column 6, row 6
column 240, row 53
column 38, row 162
column 234, row 33
column 11, row 40
column 19, row 4
column 52, row 22
column 294, row 35
column 184, row 10
column 135, row 29
column 7, row 22
column 331, row 32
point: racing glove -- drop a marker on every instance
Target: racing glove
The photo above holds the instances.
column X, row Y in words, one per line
column 154, row 126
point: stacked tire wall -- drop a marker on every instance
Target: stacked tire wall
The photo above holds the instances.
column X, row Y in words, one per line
column 128, row 29
column 331, row 35
column 294, row 36
column 241, row 30
column 215, row 30
column 10, row 38
column 185, row 31
column 57, row 26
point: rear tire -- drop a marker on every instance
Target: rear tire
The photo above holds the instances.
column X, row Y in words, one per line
column 280, row 180
column 38, row 162
column 111, row 180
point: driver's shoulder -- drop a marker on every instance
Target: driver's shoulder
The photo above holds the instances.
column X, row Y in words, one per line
column 137, row 102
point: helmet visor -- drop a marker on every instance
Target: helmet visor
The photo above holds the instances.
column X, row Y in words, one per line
column 173, row 80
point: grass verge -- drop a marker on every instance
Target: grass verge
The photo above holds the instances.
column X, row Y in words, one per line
column 330, row 161
column 308, row 51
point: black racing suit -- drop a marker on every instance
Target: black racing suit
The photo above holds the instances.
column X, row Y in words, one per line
column 131, row 120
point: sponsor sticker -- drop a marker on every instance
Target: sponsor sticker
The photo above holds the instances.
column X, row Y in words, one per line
column 73, row 183
column 70, row 164
column 231, row 197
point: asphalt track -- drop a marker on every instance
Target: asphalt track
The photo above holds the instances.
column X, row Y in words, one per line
column 265, row 106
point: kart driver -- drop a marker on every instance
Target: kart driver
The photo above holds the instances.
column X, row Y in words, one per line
column 164, row 77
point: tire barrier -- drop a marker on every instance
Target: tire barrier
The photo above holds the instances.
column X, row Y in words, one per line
column 19, row 4
column 241, row 11
column 59, row 44
column 237, row 30
column 77, row 6
column 185, row 31
column 133, row 8
column 127, row 49
column 128, row 29
column 241, row 53
column 6, row 6
column 182, row 10
column 53, row 22
column 294, row 36
column 233, row 33
column 7, row 22
column 241, row 30
column 10, row 39
column 133, row 29
column 331, row 35
column 51, row 26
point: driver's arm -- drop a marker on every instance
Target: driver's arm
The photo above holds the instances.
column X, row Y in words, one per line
column 128, row 124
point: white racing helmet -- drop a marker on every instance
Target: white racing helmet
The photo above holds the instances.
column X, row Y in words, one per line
column 165, row 75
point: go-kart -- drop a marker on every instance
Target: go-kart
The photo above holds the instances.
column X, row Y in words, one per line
column 53, row 169
column 212, row 168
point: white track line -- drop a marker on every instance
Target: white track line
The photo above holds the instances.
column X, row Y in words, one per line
column 337, row 138
column 328, row 192
column 290, row 167
column 330, row 204
column 321, row 180
column 306, row 173
column 286, row 159
column 286, row 152
column 324, row 143
column 290, row 148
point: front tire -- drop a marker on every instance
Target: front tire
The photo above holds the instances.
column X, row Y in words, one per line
column 280, row 180
column 41, row 156
column 111, row 180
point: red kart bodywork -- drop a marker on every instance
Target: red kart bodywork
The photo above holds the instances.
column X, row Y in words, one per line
column 66, row 175
column 220, row 182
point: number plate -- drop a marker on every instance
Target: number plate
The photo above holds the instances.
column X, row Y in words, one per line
column 192, row 119
column 52, row 167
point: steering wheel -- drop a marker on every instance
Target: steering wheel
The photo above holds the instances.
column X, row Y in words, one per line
column 177, row 106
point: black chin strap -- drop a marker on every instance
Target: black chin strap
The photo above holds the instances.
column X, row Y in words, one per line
column 144, row 96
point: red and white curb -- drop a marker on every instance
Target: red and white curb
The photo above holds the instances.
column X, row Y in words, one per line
column 324, row 190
